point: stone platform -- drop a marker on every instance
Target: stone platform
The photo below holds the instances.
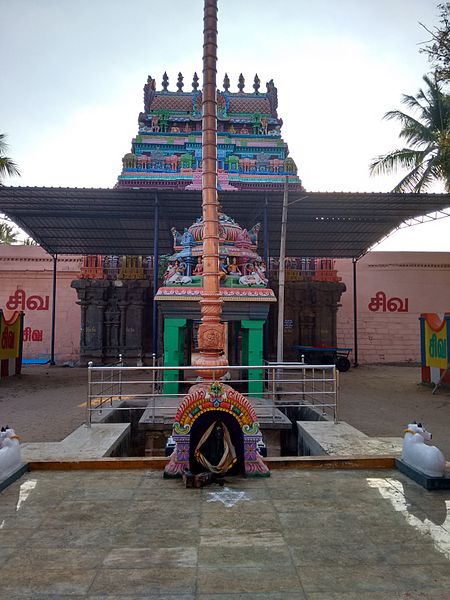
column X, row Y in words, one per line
column 318, row 438
column 97, row 441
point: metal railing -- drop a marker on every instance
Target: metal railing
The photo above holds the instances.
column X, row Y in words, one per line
column 271, row 388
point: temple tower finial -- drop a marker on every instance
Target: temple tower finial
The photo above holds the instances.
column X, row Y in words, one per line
column 257, row 84
column 180, row 83
column 241, row 83
column 165, row 82
column 195, row 82
column 226, row 82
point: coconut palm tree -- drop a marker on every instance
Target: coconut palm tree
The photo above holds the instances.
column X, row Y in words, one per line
column 428, row 137
column 8, row 235
column 30, row 242
column 7, row 165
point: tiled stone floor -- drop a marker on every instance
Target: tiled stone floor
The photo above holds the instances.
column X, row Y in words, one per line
column 299, row 534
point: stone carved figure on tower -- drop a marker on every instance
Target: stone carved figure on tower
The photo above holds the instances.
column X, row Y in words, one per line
column 252, row 276
column 253, row 233
column 272, row 96
column 198, row 267
column 187, row 239
column 149, row 92
column 177, row 236
column 175, row 274
column 233, row 269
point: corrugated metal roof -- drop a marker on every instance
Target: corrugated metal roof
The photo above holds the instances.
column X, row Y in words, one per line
column 122, row 221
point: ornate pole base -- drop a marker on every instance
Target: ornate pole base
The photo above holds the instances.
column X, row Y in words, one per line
column 211, row 342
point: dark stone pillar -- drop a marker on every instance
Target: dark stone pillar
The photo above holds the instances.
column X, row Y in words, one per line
column 113, row 318
column 310, row 314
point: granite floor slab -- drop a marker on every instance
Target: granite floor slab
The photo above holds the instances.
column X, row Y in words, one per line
column 299, row 535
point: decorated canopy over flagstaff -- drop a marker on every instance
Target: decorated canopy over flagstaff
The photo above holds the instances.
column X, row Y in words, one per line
column 167, row 152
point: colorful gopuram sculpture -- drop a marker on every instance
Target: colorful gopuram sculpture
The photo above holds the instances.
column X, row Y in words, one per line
column 243, row 287
column 240, row 265
column 167, row 152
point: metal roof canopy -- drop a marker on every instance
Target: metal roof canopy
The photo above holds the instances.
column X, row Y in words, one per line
column 122, row 221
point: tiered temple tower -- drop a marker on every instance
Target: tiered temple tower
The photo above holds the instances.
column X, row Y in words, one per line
column 166, row 154
column 167, row 151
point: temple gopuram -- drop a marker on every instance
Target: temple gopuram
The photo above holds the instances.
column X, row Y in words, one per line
column 167, row 152
column 117, row 293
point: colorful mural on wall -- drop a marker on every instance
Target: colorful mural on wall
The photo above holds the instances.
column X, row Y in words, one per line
column 435, row 346
column 11, row 344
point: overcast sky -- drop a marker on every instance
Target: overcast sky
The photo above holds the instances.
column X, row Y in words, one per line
column 73, row 71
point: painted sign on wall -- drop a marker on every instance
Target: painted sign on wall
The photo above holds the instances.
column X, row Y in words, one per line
column 19, row 301
column 32, row 335
column 10, row 344
column 381, row 302
column 435, row 340
column 10, row 336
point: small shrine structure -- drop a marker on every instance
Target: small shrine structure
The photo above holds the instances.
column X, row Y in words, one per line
column 243, row 289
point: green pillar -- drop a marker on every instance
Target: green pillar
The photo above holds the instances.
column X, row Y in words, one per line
column 173, row 352
column 252, row 354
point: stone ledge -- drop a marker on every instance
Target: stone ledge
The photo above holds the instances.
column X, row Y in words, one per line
column 341, row 439
column 93, row 442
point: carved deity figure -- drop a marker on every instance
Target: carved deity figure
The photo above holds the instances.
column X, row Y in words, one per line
column 233, row 269
column 198, row 267
column 187, row 239
column 252, row 276
column 223, row 269
column 149, row 92
column 175, row 274
column 272, row 96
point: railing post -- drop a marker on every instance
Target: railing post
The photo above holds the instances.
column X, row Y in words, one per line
column 336, row 395
column 88, row 400
column 120, row 378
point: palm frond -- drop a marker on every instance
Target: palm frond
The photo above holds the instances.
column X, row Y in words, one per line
column 413, row 103
column 428, row 136
column 8, row 167
column 410, row 182
column 412, row 130
column 386, row 164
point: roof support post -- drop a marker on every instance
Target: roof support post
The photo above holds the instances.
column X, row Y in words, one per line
column 266, row 260
column 52, row 351
column 155, row 277
column 266, row 231
column 355, row 314
column 282, row 273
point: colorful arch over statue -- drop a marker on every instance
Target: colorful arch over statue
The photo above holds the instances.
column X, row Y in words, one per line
column 217, row 398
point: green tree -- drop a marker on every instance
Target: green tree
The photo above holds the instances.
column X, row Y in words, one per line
column 427, row 156
column 438, row 46
column 7, row 165
column 29, row 242
column 8, row 235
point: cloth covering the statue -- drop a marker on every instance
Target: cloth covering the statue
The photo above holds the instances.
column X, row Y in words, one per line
column 218, row 449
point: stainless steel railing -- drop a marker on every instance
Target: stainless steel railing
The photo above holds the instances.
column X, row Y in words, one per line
column 270, row 387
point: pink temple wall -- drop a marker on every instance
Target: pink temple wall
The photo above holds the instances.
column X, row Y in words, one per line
column 384, row 335
column 421, row 278
column 30, row 269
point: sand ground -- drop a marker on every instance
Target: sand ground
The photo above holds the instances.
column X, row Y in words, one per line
column 47, row 403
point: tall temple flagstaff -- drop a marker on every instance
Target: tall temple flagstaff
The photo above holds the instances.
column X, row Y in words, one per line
column 167, row 151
